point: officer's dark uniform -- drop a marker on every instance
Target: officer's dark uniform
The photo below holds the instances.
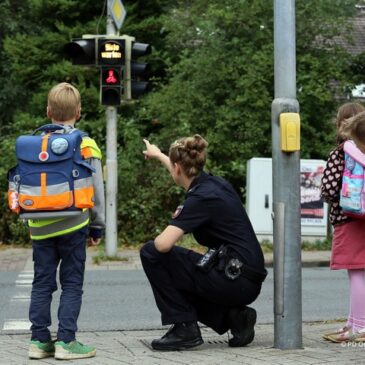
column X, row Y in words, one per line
column 213, row 212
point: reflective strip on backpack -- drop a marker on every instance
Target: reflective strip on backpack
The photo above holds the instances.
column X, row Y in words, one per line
column 83, row 183
column 52, row 197
column 58, row 188
column 50, row 189
column 12, row 186
column 42, row 229
column 84, row 193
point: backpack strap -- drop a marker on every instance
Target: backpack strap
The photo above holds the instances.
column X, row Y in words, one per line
column 50, row 128
column 351, row 149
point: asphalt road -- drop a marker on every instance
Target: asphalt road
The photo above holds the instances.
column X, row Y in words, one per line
column 123, row 300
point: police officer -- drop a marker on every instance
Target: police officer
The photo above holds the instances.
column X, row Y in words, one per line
column 214, row 288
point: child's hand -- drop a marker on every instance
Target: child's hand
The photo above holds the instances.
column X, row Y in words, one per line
column 93, row 241
column 152, row 151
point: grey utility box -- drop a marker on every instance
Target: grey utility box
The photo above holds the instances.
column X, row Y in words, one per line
column 259, row 198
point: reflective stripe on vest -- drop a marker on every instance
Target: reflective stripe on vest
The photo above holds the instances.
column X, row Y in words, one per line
column 47, row 228
column 89, row 149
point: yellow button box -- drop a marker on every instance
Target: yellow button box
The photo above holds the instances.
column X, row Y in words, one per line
column 290, row 132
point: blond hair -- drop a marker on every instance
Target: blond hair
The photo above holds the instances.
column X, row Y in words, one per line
column 190, row 153
column 354, row 128
column 346, row 111
column 64, row 102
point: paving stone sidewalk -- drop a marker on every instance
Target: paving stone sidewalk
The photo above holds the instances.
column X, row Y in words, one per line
column 14, row 259
column 132, row 347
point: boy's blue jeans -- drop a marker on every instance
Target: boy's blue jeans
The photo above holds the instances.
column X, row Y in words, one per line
column 70, row 251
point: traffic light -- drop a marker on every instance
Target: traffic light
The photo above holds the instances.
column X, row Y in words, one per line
column 111, row 57
column 139, row 71
column 134, row 71
column 110, row 85
column 81, row 51
column 120, row 73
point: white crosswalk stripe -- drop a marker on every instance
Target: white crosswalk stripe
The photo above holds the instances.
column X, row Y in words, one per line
column 16, row 325
column 23, row 284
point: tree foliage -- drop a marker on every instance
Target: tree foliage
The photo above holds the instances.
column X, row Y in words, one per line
column 212, row 66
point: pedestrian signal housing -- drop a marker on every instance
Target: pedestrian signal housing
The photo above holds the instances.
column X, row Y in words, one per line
column 110, row 85
column 139, row 70
column 81, row 51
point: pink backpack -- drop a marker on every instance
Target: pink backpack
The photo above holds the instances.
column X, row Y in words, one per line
column 352, row 198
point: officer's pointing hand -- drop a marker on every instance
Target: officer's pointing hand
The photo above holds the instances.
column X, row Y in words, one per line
column 152, row 151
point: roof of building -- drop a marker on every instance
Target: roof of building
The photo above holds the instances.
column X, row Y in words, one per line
column 356, row 45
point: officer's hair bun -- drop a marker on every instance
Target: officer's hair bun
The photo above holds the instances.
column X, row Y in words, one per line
column 191, row 153
column 195, row 144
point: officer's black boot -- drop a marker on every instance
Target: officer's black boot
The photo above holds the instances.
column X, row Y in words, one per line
column 241, row 324
column 179, row 337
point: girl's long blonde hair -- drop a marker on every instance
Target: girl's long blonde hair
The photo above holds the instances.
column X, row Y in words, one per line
column 354, row 128
column 346, row 111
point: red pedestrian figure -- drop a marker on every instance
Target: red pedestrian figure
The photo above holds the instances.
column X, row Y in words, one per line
column 111, row 78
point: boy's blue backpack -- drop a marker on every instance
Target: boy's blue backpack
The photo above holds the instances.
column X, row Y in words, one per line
column 352, row 198
column 51, row 178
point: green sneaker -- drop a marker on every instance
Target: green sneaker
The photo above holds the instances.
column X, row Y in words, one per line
column 40, row 350
column 73, row 350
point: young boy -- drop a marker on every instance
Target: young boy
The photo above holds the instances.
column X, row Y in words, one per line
column 63, row 241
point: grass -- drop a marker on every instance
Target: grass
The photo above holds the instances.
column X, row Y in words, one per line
column 5, row 246
column 188, row 242
column 318, row 245
column 327, row 321
column 266, row 246
column 101, row 257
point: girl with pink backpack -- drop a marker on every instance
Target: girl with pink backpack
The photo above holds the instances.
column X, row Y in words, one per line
column 348, row 244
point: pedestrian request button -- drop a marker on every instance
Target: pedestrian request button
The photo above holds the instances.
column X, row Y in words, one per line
column 289, row 132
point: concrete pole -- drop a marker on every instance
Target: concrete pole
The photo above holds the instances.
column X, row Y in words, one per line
column 111, row 231
column 286, row 188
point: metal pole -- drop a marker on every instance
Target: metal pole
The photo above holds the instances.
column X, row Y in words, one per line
column 111, row 231
column 286, row 188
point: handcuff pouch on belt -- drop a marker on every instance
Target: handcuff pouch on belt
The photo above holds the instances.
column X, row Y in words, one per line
column 208, row 260
column 224, row 261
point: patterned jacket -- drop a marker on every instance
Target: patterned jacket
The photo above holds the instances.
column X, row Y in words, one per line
column 332, row 184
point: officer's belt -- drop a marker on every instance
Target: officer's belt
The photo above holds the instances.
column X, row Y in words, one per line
column 225, row 254
column 252, row 275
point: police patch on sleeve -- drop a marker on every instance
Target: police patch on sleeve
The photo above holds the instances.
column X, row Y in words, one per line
column 177, row 211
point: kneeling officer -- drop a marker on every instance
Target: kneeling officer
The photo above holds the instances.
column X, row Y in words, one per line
column 214, row 288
